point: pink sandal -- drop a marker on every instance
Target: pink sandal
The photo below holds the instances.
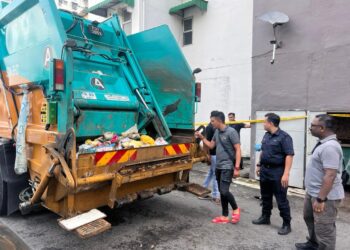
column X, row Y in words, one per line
column 221, row 220
column 236, row 217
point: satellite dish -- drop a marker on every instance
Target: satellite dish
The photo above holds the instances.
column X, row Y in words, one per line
column 274, row 17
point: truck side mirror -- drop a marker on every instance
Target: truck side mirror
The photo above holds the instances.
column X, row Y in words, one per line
column 196, row 71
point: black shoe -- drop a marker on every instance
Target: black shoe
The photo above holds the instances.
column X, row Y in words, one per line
column 306, row 246
column 285, row 229
column 263, row 220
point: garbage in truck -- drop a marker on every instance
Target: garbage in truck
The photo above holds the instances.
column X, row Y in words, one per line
column 111, row 141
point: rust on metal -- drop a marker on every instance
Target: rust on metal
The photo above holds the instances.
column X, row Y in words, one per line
column 93, row 228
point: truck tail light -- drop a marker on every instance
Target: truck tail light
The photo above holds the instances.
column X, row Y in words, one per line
column 198, row 91
column 58, row 74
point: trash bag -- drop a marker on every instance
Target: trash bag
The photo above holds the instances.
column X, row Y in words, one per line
column 147, row 140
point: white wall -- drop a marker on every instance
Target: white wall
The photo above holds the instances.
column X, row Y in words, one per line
column 222, row 48
column 67, row 5
column 157, row 13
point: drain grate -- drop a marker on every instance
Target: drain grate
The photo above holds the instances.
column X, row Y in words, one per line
column 93, row 228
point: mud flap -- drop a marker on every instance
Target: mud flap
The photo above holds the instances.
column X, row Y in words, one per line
column 11, row 184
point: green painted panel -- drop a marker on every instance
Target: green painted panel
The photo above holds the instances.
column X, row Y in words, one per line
column 201, row 4
column 168, row 73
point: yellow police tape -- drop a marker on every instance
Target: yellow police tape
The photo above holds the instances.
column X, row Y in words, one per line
column 340, row 115
column 282, row 119
column 256, row 121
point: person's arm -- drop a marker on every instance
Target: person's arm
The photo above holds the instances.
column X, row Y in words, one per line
column 258, row 165
column 327, row 184
column 287, row 167
column 287, row 148
column 238, row 159
column 331, row 159
column 247, row 125
column 209, row 144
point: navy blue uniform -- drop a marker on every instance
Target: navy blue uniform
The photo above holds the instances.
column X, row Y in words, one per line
column 275, row 147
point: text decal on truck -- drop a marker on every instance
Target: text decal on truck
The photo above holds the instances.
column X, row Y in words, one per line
column 97, row 83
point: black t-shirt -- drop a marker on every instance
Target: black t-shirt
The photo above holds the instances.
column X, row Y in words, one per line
column 237, row 127
column 209, row 134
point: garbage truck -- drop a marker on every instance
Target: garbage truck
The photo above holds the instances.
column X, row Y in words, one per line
column 72, row 92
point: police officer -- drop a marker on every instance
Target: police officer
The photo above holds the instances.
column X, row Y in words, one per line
column 276, row 159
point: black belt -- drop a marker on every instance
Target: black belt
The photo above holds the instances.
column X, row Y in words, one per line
column 269, row 166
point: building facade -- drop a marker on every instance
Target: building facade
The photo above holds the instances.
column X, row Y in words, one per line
column 78, row 6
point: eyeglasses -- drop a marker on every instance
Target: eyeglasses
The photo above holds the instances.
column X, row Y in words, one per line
column 315, row 125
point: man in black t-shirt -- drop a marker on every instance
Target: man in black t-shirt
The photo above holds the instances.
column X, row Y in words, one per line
column 237, row 127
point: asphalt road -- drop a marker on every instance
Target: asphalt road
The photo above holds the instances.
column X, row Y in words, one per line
column 173, row 221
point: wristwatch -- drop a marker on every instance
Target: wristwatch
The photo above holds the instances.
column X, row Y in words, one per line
column 319, row 200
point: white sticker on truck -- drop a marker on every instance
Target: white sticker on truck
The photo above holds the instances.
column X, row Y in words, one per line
column 120, row 98
column 88, row 95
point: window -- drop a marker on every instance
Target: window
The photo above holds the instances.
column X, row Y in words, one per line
column 126, row 17
column 187, row 35
column 74, row 6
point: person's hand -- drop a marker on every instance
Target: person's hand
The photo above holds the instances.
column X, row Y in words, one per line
column 285, row 180
column 199, row 135
column 318, row 207
column 257, row 171
column 236, row 172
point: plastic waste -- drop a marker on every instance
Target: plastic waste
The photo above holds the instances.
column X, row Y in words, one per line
column 21, row 149
column 147, row 140
column 130, row 131
column 161, row 141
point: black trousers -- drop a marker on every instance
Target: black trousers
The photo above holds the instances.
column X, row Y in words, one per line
column 224, row 179
column 270, row 185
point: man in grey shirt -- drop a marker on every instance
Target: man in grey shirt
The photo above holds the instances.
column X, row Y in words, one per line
column 324, row 189
column 228, row 157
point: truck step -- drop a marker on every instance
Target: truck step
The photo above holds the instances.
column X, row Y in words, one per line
column 81, row 219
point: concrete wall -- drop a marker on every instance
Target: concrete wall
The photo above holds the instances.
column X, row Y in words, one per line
column 222, row 40
column 156, row 13
column 311, row 71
